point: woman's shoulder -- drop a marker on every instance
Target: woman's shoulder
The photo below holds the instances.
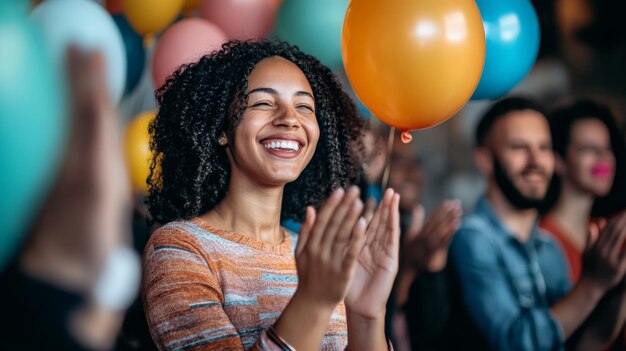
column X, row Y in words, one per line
column 172, row 232
column 188, row 239
column 185, row 228
column 178, row 234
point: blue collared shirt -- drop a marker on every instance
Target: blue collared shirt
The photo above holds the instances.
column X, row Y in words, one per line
column 508, row 286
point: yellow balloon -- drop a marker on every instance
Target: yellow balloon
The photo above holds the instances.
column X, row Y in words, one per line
column 413, row 63
column 148, row 17
column 137, row 150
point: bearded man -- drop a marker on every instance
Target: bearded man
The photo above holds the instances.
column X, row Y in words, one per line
column 513, row 278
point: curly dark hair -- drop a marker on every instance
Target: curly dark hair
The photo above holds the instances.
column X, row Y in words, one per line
column 202, row 100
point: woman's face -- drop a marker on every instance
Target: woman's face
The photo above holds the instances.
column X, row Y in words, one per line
column 590, row 163
column 278, row 132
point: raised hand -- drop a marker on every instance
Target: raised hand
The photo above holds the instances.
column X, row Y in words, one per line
column 604, row 261
column 84, row 216
column 377, row 262
column 328, row 246
column 426, row 247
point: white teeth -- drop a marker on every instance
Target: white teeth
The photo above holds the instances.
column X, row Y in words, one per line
column 283, row 144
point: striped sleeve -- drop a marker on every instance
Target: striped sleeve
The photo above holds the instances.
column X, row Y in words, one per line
column 183, row 299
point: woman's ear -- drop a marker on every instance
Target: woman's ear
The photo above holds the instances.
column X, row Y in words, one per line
column 223, row 140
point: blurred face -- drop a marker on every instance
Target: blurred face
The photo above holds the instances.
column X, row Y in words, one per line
column 405, row 175
column 589, row 162
column 375, row 156
column 523, row 161
column 278, row 132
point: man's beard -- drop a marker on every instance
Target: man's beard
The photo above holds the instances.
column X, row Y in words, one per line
column 511, row 192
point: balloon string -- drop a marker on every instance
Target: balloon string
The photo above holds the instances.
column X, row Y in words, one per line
column 392, row 134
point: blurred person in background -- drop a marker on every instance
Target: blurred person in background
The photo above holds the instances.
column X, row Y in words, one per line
column 588, row 148
column 69, row 286
column 374, row 162
column 513, row 279
column 587, row 143
column 421, row 292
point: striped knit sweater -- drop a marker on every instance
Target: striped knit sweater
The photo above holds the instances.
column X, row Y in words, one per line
column 206, row 289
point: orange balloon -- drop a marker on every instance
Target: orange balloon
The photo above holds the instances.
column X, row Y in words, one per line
column 413, row 63
column 137, row 150
column 149, row 17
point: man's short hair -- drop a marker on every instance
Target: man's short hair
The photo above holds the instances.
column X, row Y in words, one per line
column 499, row 110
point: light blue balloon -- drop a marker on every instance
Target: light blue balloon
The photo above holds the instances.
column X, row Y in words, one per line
column 314, row 26
column 512, row 38
column 87, row 25
column 32, row 125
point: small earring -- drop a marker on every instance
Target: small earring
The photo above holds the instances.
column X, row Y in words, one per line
column 222, row 140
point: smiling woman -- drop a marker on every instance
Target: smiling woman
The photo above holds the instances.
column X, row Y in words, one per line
column 278, row 132
column 244, row 137
column 206, row 100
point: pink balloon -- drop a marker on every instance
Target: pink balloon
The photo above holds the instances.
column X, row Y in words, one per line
column 241, row 19
column 184, row 42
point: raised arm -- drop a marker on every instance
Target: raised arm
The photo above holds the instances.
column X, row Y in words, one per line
column 376, row 271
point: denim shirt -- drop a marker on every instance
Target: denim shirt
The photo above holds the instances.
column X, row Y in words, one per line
column 508, row 286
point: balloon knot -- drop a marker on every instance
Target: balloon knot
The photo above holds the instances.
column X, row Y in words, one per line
column 406, row 137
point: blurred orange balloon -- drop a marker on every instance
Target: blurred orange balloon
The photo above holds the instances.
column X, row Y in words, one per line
column 413, row 63
column 190, row 5
column 137, row 150
column 151, row 16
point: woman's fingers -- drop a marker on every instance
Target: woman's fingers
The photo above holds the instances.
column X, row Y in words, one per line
column 323, row 217
column 440, row 218
column 383, row 226
column 339, row 218
column 370, row 207
column 372, row 228
column 305, row 230
column 393, row 235
column 343, row 237
column 357, row 241
column 608, row 238
column 617, row 244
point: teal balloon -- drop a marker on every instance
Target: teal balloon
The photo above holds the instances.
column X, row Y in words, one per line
column 88, row 26
column 32, row 125
column 135, row 53
column 512, row 43
column 315, row 26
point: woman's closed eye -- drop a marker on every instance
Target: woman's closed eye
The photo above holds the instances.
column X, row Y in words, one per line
column 306, row 108
column 262, row 104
